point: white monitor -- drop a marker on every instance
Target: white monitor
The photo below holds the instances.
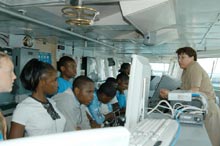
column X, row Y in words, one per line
column 138, row 91
column 117, row 136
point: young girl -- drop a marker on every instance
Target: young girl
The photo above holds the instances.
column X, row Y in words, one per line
column 37, row 115
column 7, row 78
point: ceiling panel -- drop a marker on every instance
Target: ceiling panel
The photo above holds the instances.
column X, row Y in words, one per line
column 170, row 24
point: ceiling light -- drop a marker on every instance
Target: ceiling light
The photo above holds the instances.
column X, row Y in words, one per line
column 79, row 15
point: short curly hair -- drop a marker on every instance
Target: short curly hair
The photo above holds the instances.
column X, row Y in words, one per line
column 187, row 50
column 63, row 60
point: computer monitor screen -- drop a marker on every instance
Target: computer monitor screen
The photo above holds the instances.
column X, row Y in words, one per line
column 154, row 82
column 166, row 82
column 138, row 91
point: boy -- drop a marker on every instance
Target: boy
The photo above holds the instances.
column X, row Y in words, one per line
column 72, row 103
column 102, row 96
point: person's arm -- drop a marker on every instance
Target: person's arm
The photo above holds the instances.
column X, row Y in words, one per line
column 92, row 122
column 109, row 116
column 95, row 113
column 195, row 89
column 4, row 126
column 16, row 131
column 20, row 118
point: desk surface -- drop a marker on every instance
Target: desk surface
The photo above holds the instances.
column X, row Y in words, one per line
column 194, row 135
column 190, row 134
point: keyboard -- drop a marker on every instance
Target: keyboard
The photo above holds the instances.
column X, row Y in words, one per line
column 154, row 132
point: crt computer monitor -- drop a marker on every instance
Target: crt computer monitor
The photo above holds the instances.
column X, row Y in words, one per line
column 138, row 91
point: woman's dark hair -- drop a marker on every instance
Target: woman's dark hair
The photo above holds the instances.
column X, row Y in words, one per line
column 80, row 81
column 124, row 67
column 187, row 50
column 62, row 62
column 32, row 73
column 107, row 89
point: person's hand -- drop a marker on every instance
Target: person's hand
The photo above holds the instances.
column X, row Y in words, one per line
column 164, row 93
column 78, row 128
column 109, row 116
column 93, row 124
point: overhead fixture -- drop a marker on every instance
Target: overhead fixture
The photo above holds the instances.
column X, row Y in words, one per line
column 28, row 41
column 79, row 15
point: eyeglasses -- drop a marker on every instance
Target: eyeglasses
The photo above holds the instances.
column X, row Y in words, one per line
column 50, row 110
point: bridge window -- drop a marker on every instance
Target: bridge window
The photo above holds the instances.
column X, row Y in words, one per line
column 212, row 67
column 158, row 69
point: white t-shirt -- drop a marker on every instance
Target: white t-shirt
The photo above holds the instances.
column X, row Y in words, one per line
column 35, row 118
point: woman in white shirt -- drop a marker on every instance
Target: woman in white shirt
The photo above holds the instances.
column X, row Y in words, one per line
column 37, row 115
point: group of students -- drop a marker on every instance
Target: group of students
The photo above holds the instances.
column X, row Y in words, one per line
column 71, row 106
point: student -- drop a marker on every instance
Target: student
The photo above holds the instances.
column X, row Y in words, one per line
column 122, row 80
column 72, row 103
column 125, row 68
column 67, row 67
column 103, row 95
column 114, row 101
column 37, row 115
column 196, row 79
column 7, row 78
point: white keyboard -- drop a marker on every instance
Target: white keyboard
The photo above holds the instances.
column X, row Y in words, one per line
column 154, row 132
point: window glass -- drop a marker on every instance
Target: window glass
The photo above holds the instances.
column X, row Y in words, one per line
column 158, row 69
column 212, row 67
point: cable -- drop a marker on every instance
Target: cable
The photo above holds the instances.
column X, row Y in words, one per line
column 177, row 104
column 165, row 107
column 162, row 112
column 178, row 110
column 162, row 101
column 177, row 135
column 189, row 108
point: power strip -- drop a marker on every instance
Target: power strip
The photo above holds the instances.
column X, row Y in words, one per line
column 190, row 118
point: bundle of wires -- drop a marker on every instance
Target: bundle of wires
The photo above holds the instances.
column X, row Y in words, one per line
column 178, row 108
